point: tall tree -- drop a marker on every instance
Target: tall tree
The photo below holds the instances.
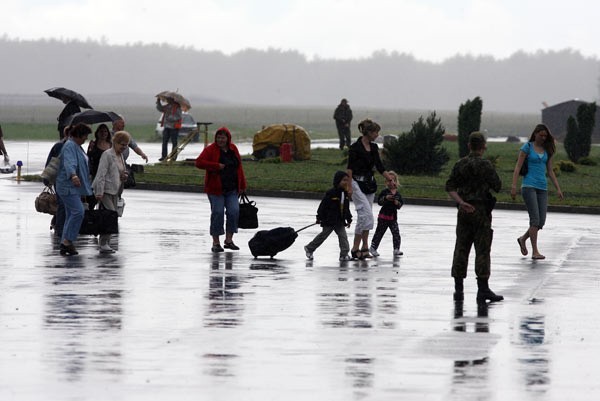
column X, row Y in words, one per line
column 469, row 120
column 578, row 141
column 418, row 151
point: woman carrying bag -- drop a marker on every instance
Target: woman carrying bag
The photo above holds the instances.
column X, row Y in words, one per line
column 363, row 158
column 223, row 182
column 110, row 180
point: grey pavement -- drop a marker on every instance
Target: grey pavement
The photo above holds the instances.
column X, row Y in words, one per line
column 164, row 319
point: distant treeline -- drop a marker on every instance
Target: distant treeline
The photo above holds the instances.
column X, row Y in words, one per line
column 274, row 77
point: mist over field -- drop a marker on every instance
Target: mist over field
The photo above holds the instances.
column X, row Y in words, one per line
column 517, row 84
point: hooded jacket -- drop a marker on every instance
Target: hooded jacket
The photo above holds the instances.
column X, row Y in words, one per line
column 334, row 208
column 209, row 160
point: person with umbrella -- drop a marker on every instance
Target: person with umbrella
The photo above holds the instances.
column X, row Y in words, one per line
column 73, row 101
column 223, row 182
column 171, row 121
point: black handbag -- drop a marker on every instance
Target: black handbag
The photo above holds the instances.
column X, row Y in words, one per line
column 368, row 185
column 525, row 166
column 248, row 217
column 130, row 183
column 99, row 221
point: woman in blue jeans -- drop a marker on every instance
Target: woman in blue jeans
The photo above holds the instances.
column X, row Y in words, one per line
column 72, row 183
column 223, row 181
column 539, row 152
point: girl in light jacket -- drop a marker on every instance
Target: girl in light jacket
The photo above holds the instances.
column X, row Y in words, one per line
column 110, row 179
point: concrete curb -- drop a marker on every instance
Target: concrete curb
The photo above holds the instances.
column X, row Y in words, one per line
column 411, row 201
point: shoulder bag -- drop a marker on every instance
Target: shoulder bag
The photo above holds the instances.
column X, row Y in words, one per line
column 51, row 170
column 248, row 217
column 524, row 166
column 46, row 201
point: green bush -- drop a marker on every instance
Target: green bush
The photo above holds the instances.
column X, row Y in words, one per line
column 578, row 141
column 469, row 120
column 566, row 166
column 586, row 161
column 418, row 151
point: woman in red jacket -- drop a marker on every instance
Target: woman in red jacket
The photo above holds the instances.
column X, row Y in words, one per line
column 223, row 182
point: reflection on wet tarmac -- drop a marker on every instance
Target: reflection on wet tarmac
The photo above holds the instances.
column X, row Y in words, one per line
column 470, row 375
column 82, row 304
column 225, row 304
column 534, row 364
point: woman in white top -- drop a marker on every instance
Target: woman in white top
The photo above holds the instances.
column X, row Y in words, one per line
column 110, row 179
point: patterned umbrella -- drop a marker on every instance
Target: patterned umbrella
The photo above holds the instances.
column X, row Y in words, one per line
column 177, row 98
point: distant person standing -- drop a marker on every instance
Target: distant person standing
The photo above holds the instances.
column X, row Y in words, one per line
column 343, row 116
column 3, row 151
column 70, row 109
column 171, row 123
column 470, row 182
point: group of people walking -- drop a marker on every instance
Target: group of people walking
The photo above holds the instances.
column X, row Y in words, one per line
column 470, row 184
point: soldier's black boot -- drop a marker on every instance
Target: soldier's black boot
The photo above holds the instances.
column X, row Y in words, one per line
column 459, row 295
column 484, row 293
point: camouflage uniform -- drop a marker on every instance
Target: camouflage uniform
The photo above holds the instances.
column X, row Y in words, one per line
column 473, row 177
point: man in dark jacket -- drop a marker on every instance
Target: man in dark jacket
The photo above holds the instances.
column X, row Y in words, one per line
column 334, row 215
column 343, row 116
column 70, row 109
column 470, row 183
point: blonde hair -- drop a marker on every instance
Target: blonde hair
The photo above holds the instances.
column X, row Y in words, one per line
column 395, row 175
column 121, row 136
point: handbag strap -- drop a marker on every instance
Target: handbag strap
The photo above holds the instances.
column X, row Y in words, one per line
column 243, row 198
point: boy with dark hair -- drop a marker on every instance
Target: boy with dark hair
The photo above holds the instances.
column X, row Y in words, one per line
column 334, row 215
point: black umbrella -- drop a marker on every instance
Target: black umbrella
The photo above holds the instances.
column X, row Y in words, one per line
column 92, row 117
column 62, row 93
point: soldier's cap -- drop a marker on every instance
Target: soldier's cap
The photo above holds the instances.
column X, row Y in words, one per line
column 476, row 139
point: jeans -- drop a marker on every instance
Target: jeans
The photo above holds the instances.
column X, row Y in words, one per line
column 73, row 217
column 173, row 135
column 536, row 201
column 59, row 218
column 220, row 205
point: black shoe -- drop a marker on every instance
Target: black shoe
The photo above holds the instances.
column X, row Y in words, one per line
column 231, row 245
column 161, row 159
column 68, row 250
column 488, row 295
column 217, row 248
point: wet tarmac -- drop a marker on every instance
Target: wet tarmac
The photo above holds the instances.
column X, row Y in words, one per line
column 164, row 319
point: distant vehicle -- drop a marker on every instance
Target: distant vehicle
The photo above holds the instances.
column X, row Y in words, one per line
column 188, row 124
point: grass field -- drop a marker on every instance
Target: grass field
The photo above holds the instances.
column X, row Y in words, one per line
column 39, row 122
column 580, row 187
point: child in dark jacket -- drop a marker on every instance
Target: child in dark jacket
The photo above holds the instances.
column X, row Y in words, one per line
column 390, row 201
column 334, row 215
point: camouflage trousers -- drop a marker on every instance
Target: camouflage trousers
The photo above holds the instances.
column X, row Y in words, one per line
column 473, row 229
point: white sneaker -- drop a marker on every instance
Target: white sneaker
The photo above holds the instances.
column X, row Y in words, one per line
column 373, row 251
column 309, row 254
column 344, row 258
column 106, row 249
column 398, row 252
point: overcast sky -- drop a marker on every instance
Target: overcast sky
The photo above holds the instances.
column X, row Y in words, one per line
column 428, row 29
